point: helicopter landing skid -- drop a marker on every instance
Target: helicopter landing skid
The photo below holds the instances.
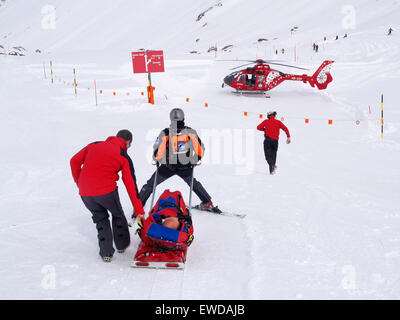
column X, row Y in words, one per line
column 252, row 93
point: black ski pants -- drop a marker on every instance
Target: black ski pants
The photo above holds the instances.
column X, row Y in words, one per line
column 165, row 173
column 99, row 207
column 270, row 150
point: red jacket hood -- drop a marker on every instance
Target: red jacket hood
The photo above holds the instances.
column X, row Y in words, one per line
column 118, row 141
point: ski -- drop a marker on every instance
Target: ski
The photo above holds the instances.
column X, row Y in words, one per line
column 158, row 265
column 221, row 213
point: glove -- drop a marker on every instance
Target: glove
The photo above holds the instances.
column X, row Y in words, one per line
column 288, row 141
column 198, row 163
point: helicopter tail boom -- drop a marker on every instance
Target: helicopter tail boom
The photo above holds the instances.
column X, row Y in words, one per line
column 320, row 79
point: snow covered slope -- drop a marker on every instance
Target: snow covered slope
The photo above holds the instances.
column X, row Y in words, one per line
column 326, row 226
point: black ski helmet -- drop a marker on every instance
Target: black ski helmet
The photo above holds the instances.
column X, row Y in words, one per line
column 177, row 115
column 272, row 114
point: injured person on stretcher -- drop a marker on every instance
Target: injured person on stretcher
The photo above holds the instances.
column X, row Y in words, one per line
column 171, row 222
column 166, row 233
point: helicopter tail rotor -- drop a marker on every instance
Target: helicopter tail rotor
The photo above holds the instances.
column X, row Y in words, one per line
column 322, row 77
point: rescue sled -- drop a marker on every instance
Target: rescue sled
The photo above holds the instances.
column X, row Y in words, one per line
column 163, row 247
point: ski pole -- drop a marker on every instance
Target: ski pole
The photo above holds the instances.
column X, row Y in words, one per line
column 191, row 191
column 154, row 187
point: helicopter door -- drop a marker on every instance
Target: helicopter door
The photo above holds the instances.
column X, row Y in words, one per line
column 260, row 83
column 250, row 80
column 241, row 81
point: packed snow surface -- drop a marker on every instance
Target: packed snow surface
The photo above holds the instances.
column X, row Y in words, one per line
column 326, row 226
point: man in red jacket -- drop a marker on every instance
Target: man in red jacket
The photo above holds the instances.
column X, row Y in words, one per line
column 271, row 129
column 95, row 171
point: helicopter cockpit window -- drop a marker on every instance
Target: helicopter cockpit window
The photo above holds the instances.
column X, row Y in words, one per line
column 234, row 74
column 229, row 79
column 242, row 78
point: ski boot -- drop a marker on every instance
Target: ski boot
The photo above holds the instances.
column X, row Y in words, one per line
column 107, row 258
column 123, row 250
column 208, row 206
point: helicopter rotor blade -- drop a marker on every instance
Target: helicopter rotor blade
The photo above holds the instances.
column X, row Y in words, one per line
column 287, row 65
column 239, row 60
column 242, row 66
column 260, row 61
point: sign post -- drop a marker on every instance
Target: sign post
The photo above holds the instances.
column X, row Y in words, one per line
column 148, row 62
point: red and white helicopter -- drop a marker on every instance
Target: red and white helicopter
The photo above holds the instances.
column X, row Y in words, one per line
column 261, row 78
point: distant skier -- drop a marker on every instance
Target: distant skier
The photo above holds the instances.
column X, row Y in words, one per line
column 271, row 129
column 390, row 31
column 345, row 36
column 177, row 150
column 95, row 170
column 316, row 48
column 337, row 38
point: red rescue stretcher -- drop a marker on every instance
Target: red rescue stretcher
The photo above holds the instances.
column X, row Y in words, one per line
column 160, row 246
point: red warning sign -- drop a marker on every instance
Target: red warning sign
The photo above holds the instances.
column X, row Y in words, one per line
column 148, row 61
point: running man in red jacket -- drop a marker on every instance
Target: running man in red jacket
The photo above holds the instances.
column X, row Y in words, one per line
column 95, row 171
column 271, row 129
